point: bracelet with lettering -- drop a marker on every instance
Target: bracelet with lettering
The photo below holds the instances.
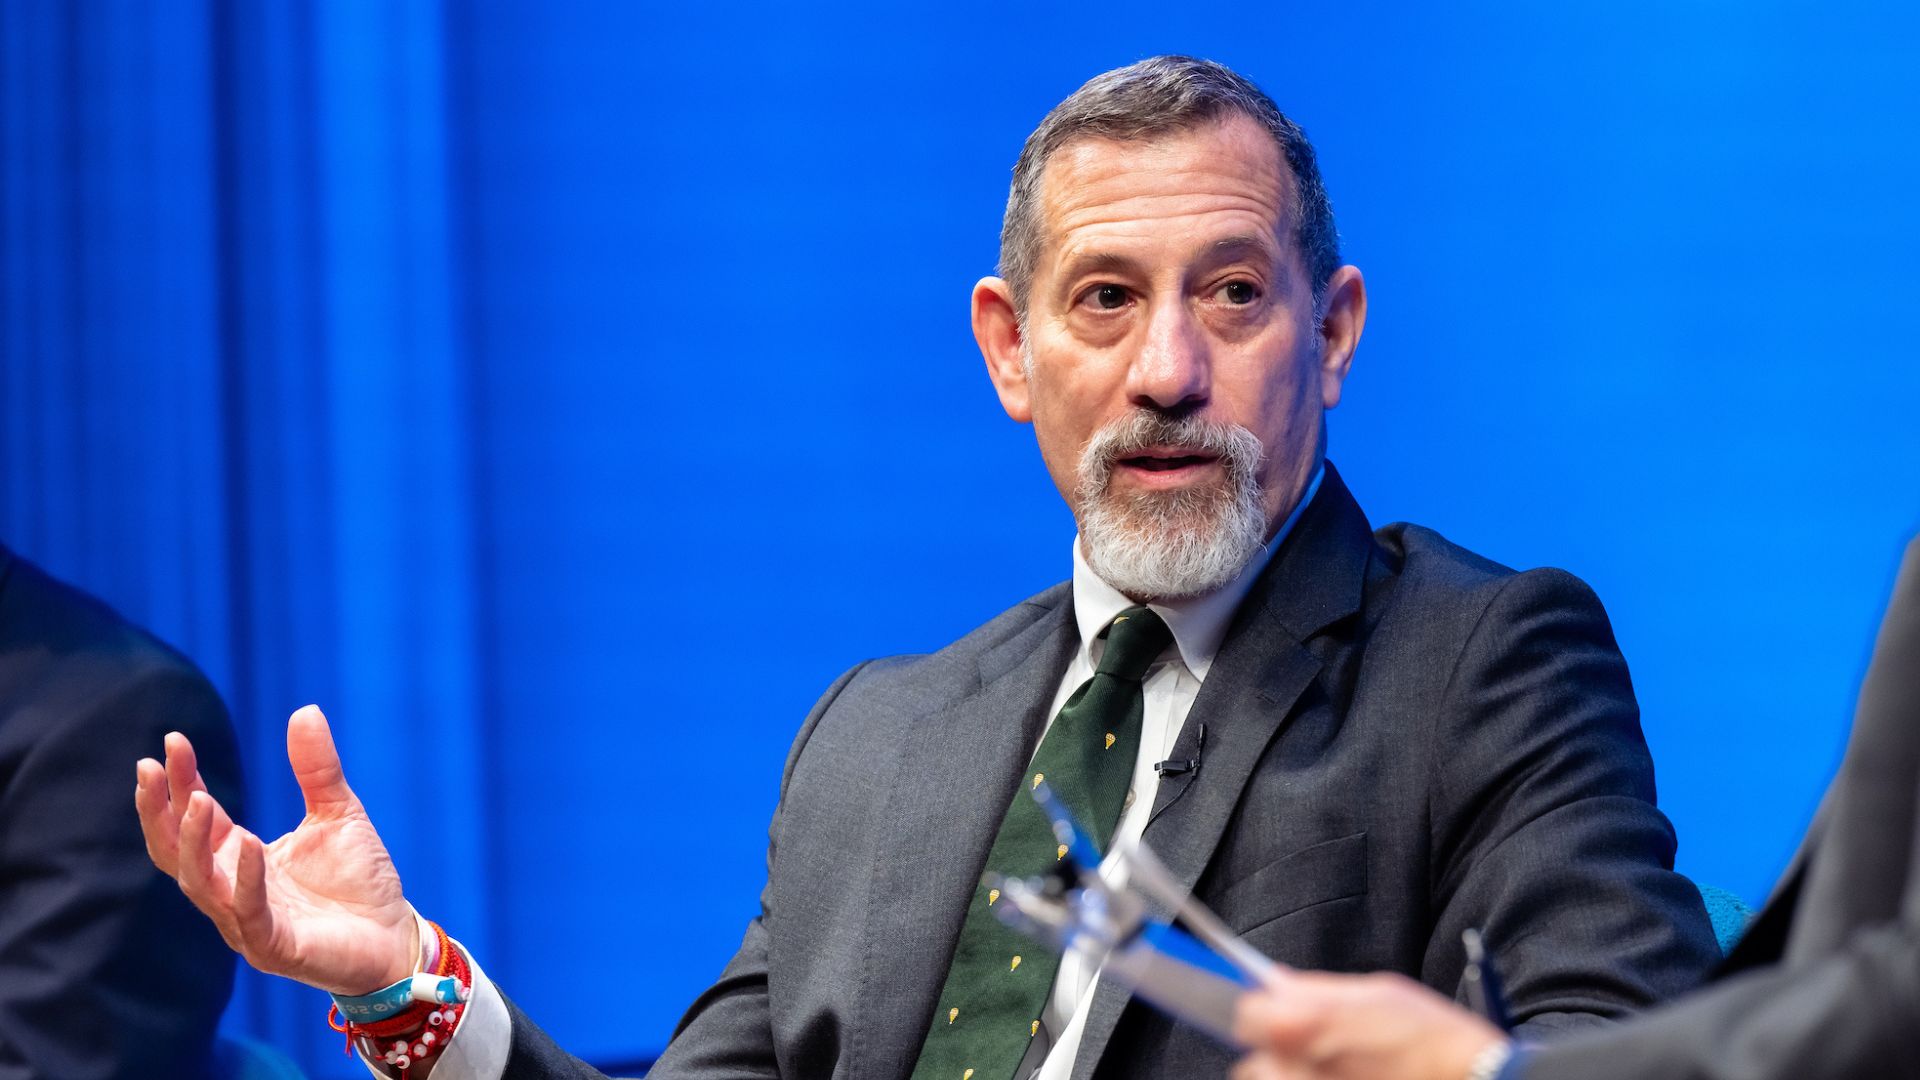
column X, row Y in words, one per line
column 422, row 987
column 404, row 1024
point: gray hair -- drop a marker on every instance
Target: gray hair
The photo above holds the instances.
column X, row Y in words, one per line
column 1158, row 96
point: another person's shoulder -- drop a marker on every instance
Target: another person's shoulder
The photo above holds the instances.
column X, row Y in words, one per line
column 68, row 625
column 68, row 656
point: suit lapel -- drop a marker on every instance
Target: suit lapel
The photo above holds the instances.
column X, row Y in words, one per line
column 957, row 770
column 1315, row 579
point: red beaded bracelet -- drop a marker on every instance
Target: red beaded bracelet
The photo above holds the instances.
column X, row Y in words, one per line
column 407, row 1038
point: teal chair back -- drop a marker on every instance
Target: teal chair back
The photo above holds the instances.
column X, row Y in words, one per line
column 1729, row 914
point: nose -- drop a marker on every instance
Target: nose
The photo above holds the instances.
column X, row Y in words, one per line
column 1172, row 372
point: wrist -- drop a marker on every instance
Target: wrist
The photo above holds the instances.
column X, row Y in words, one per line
column 416, row 949
column 405, row 1026
column 426, row 945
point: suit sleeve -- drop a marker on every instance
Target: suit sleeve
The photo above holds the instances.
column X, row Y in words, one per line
column 1550, row 841
column 728, row 1030
column 105, row 969
column 1853, row 1011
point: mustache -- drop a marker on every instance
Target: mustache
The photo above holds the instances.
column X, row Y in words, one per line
column 1238, row 449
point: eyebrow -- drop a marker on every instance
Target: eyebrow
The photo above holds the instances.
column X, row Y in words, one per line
column 1241, row 245
column 1082, row 263
column 1245, row 244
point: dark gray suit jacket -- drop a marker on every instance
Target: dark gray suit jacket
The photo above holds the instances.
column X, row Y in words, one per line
column 1402, row 740
column 106, row 971
column 1826, row 983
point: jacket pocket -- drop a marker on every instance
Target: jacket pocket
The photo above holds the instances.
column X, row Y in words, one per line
column 1329, row 870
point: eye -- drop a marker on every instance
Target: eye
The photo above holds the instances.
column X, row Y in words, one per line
column 1108, row 297
column 1239, row 293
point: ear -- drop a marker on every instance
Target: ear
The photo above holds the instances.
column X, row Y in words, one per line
column 997, row 328
column 1345, row 316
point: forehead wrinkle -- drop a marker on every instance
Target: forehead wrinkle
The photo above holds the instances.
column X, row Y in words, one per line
column 1141, row 209
column 1085, row 256
column 1084, row 207
column 1179, row 160
column 1114, row 231
column 1248, row 173
column 1125, row 190
column 1087, row 184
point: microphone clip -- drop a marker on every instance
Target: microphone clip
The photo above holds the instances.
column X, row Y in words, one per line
column 1179, row 766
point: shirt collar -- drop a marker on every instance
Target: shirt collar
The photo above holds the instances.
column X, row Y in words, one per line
column 1199, row 623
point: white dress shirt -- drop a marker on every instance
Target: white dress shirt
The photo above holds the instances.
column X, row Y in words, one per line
column 478, row 1050
column 1171, row 684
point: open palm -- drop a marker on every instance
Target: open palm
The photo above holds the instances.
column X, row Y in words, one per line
column 321, row 904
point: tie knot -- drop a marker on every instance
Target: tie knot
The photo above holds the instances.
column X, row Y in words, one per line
column 1135, row 638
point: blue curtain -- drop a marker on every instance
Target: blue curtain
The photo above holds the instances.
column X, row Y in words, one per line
column 235, row 399
column 502, row 377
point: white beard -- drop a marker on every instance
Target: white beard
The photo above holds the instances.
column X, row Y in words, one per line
column 1176, row 544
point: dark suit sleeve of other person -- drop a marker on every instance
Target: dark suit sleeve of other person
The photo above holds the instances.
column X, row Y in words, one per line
column 1547, row 837
column 728, row 1030
column 105, row 969
column 1845, row 1002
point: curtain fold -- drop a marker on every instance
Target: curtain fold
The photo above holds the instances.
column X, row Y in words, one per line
column 236, row 397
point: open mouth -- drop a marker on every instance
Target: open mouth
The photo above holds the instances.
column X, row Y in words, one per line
column 1167, row 462
column 1166, row 457
column 1167, row 466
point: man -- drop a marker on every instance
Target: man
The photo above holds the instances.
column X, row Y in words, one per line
column 1824, row 986
column 105, row 969
column 1354, row 745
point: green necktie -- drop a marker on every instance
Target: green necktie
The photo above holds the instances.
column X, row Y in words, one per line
column 989, row 1008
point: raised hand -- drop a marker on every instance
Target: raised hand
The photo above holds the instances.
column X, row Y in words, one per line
column 321, row 904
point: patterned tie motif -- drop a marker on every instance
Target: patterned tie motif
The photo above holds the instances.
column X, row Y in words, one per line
column 989, row 1009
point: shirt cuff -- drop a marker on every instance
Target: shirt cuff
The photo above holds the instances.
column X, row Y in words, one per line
column 479, row 1046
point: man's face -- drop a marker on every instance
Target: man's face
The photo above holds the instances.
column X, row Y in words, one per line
column 1170, row 312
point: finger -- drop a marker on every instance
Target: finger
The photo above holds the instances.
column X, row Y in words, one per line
column 200, row 879
column 252, row 916
column 157, row 824
column 316, row 764
column 183, row 779
column 183, row 771
column 1259, row 1067
column 1277, row 977
column 1275, row 1021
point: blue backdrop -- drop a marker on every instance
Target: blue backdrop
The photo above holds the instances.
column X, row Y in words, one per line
column 495, row 376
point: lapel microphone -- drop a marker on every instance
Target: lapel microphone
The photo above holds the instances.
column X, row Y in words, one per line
column 1178, row 766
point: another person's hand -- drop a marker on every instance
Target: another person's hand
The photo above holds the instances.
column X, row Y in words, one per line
column 321, row 904
column 1311, row 1026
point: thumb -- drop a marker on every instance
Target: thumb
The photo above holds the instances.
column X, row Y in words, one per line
column 316, row 764
column 1273, row 1020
